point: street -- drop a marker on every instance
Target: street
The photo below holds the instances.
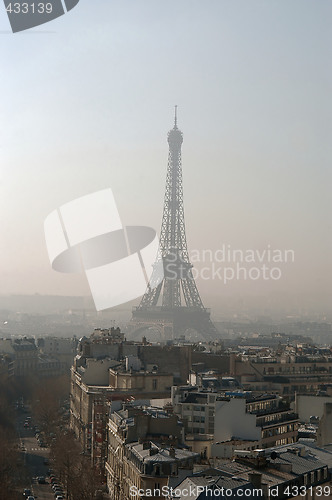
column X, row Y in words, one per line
column 33, row 457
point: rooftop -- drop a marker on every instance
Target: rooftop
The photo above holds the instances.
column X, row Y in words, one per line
column 156, row 453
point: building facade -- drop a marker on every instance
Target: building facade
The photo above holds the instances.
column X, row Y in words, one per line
column 213, row 418
column 144, row 452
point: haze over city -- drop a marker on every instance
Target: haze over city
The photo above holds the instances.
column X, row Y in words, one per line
column 88, row 101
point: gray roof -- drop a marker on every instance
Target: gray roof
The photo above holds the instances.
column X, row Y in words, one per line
column 300, row 465
column 312, row 452
column 24, row 346
column 210, row 483
column 161, row 454
column 235, row 475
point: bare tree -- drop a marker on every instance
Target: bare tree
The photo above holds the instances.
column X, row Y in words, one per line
column 8, row 464
column 46, row 402
column 74, row 469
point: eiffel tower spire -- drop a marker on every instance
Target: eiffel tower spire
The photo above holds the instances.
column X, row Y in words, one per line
column 176, row 297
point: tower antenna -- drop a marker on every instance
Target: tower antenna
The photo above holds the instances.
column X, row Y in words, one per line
column 176, row 116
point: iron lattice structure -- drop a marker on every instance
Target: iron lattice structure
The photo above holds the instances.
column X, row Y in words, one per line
column 181, row 307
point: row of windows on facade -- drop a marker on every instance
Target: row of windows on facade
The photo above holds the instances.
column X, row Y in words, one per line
column 201, row 430
column 279, row 430
column 298, row 370
column 262, row 405
column 197, row 408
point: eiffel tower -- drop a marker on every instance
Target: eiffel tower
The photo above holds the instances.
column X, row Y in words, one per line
column 173, row 303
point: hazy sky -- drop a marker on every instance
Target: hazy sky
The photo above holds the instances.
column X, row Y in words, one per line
column 86, row 103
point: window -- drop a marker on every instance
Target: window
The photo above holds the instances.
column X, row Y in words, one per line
column 154, row 383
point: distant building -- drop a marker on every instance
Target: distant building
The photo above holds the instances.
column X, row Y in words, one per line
column 61, row 349
column 49, row 367
column 6, row 367
column 25, row 357
column 286, row 374
column 175, row 359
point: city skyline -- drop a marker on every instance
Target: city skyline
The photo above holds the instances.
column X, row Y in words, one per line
column 165, row 249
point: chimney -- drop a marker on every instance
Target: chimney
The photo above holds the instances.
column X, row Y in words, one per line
column 172, row 452
column 256, row 479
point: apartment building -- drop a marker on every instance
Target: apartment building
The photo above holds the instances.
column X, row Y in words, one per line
column 109, row 369
column 286, row 374
column 144, row 452
column 98, row 381
column 210, row 418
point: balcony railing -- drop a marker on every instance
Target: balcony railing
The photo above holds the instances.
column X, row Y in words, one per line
column 284, row 417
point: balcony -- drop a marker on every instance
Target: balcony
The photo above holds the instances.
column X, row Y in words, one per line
column 270, row 411
column 279, row 418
